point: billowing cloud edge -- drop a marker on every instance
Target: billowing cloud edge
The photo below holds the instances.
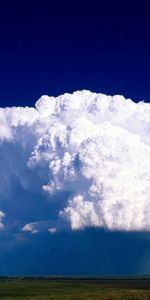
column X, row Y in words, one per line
column 94, row 147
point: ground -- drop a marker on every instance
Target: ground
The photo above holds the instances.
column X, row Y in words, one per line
column 74, row 289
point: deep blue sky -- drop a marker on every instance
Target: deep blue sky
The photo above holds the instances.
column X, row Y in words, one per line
column 52, row 48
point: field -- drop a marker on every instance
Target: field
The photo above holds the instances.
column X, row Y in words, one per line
column 74, row 289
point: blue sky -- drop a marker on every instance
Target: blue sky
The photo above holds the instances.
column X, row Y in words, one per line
column 47, row 49
column 50, row 49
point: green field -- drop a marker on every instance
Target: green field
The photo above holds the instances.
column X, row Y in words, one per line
column 44, row 289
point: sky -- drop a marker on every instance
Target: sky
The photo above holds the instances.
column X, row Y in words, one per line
column 51, row 49
column 67, row 191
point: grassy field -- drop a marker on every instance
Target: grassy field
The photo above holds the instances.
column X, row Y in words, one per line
column 36, row 289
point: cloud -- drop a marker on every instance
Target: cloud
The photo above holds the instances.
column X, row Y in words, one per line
column 87, row 153
column 52, row 230
column 2, row 215
column 30, row 227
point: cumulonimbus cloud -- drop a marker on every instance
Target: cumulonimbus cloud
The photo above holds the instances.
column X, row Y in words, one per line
column 92, row 147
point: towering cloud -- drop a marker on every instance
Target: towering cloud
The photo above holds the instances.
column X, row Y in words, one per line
column 87, row 153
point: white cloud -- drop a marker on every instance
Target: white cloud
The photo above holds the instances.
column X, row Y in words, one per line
column 52, row 230
column 93, row 146
column 30, row 227
column 2, row 215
